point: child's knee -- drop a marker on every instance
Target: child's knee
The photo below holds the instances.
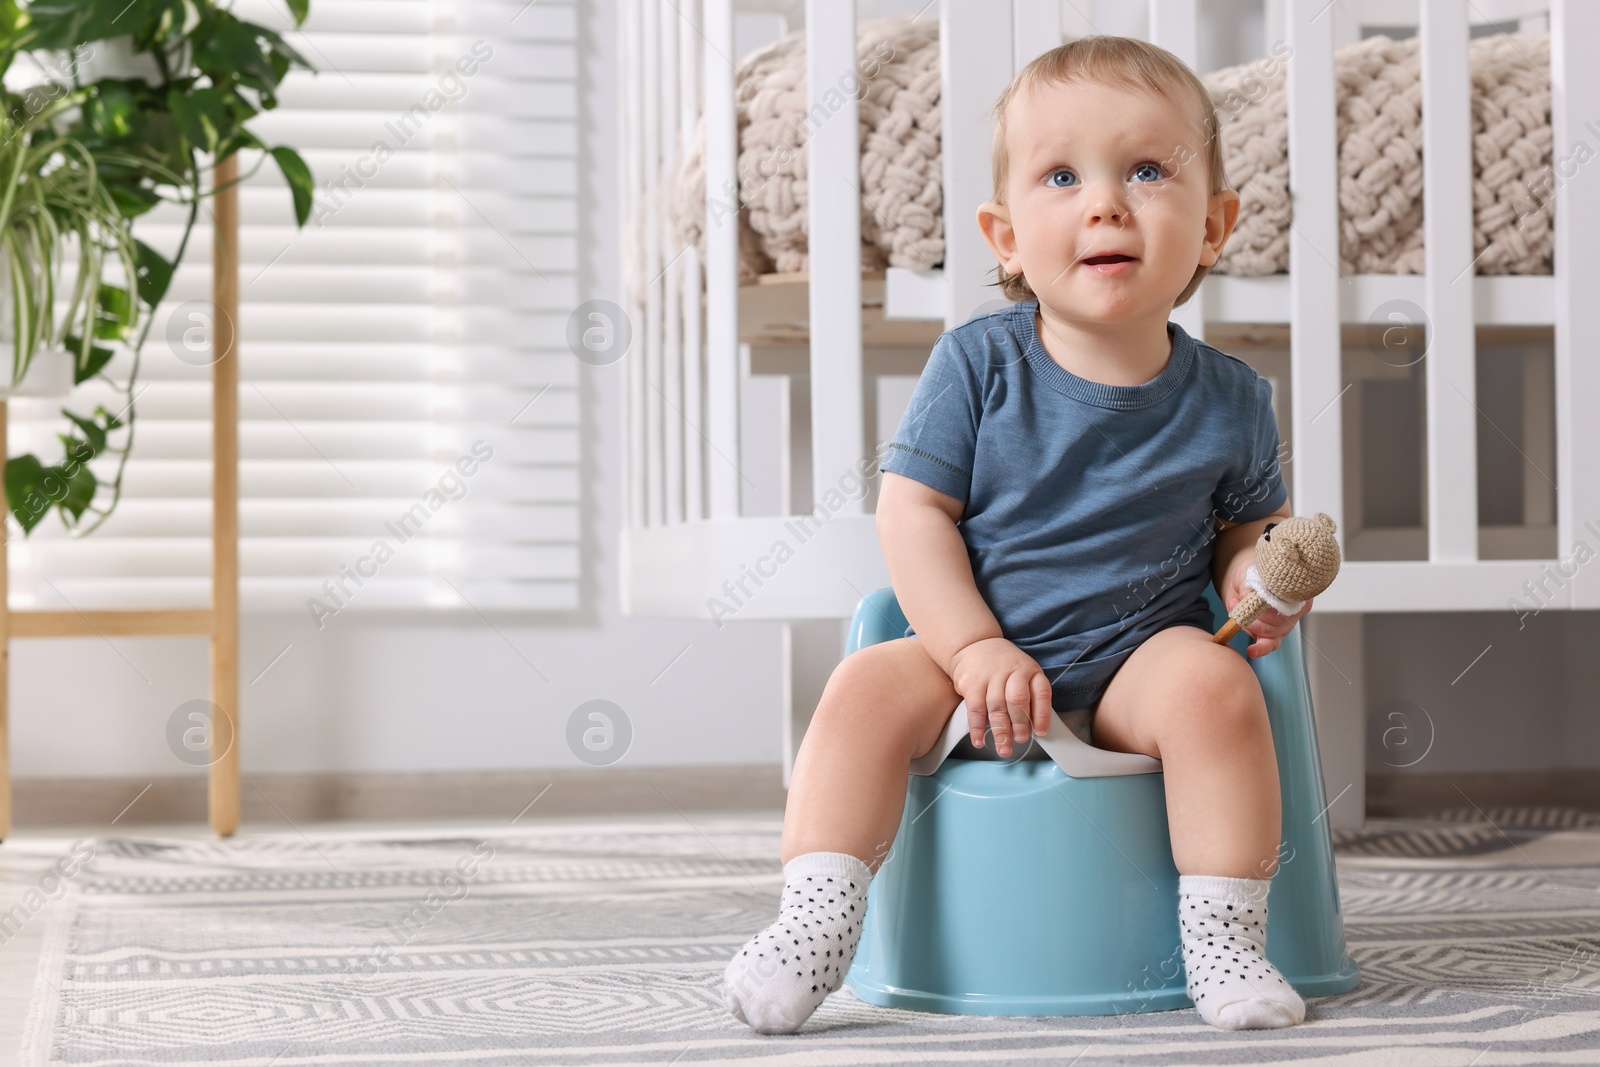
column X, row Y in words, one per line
column 883, row 694
column 1226, row 689
column 855, row 675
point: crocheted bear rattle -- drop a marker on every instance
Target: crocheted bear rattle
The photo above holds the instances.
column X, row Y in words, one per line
column 1296, row 559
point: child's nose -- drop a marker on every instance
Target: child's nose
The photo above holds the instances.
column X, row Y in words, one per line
column 1109, row 208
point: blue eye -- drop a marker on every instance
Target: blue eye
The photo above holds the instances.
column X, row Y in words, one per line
column 1155, row 176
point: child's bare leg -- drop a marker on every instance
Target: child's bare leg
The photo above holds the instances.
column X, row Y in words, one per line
column 883, row 706
column 1198, row 708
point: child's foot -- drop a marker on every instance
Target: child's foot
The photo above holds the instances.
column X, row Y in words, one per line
column 1223, row 924
column 782, row 974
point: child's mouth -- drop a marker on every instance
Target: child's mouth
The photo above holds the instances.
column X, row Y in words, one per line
column 1115, row 263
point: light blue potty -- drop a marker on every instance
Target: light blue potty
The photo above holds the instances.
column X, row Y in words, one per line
column 1045, row 885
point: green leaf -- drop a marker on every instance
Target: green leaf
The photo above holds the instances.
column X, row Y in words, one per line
column 114, row 314
column 112, row 111
column 86, row 367
column 240, row 108
column 61, row 24
column 199, row 113
column 132, row 200
column 25, row 490
column 233, row 49
column 179, row 19
column 160, row 139
column 91, row 432
column 299, row 9
column 78, row 450
column 298, row 175
column 12, row 22
column 240, row 138
column 283, row 47
column 115, row 303
column 81, row 484
column 155, row 273
column 280, row 67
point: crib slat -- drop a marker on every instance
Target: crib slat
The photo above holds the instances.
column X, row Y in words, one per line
column 1273, row 20
column 694, row 491
column 651, row 122
column 1077, row 22
column 1174, row 25
column 722, row 263
column 693, row 346
column 632, row 182
column 1036, row 29
column 834, row 237
column 971, row 77
column 671, row 380
column 1314, row 277
column 1575, row 100
column 1354, row 15
column 1449, row 270
column 1349, row 16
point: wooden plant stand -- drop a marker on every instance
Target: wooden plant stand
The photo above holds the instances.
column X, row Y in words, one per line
column 220, row 622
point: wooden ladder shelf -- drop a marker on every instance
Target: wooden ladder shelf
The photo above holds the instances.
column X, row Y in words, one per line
column 220, row 622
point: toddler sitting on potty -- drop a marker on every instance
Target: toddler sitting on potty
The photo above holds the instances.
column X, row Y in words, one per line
column 1068, row 476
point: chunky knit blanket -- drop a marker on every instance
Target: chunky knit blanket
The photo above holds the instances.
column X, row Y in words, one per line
column 1379, row 100
column 902, row 197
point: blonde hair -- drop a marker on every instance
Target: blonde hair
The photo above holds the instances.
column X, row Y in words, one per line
column 1122, row 62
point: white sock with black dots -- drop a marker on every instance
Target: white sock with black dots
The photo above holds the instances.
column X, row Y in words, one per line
column 783, row 973
column 1223, row 924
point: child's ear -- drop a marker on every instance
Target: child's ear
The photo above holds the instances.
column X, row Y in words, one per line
column 1221, row 215
column 995, row 222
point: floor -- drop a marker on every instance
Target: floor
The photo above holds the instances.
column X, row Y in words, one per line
column 1478, row 936
column 28, row 854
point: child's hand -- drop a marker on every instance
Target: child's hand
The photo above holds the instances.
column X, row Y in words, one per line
column 1003, row 688
column 1271, row 626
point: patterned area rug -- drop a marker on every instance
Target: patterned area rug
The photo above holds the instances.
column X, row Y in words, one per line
column 1478, row 936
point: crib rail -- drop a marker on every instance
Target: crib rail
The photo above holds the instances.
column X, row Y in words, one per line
column 687, row 535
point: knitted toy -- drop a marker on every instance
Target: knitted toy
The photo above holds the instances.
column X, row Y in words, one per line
column 1289, row 569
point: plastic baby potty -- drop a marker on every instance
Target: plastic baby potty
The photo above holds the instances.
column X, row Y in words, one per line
column 1045, row 885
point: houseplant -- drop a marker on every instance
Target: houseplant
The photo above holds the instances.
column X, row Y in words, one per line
column 50, row 197
column 150, row 134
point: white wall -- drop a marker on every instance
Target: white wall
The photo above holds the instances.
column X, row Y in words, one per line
column 422, row 693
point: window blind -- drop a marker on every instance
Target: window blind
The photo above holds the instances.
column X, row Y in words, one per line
column 409, row 412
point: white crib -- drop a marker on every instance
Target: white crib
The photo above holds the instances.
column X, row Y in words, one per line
column 690, row 550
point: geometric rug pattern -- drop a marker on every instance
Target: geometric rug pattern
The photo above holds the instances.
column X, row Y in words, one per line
column 604, row 942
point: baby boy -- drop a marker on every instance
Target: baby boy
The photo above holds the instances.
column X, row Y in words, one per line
column 1068, row 476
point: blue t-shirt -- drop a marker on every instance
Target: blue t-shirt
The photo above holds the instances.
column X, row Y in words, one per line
column 1089, row 508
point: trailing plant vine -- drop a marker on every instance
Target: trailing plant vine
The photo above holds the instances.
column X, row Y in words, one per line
column 86, row 160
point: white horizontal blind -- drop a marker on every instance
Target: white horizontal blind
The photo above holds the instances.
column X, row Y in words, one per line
column 420, row 313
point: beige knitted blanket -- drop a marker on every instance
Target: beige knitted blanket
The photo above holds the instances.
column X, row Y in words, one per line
column 1379, row 98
